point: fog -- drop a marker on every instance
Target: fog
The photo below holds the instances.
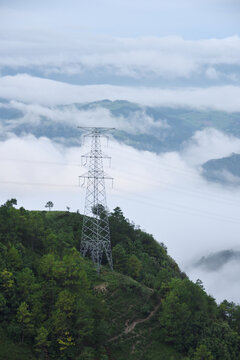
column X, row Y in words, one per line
column 168, row 58
column 31, row 89
column 179, row 54
column 191, row 216
column 221, row 284
column 138, row 123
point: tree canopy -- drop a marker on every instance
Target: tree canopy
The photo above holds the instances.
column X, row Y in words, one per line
column 53, row 305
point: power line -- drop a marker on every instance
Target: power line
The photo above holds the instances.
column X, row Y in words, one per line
column 180, row 189
column 183, row 210
column 142, row 179
column 171, row 207
column 36, row 184
column 39, row 162
column 154, row 181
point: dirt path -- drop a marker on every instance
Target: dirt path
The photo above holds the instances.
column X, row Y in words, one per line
column 130, row 327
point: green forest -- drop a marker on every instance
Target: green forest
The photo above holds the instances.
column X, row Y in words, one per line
column 54, row 305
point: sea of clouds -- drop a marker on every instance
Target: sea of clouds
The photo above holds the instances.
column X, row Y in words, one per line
column 53, row 55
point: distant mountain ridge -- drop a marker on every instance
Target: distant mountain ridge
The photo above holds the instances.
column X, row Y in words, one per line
column 225, row 170
column 216, row 261
column 179, row 123
column 154, row 129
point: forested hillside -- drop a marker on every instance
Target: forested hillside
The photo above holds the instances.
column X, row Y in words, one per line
column 53, row 305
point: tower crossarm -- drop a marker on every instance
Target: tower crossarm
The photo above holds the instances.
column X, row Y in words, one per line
column 96, row 176
column 98, row 129
column 98, row 156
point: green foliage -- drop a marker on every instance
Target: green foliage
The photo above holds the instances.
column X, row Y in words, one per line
column 190, row 317
column 137, row 253
column 49, row 205
column 119, row 258
column 24, row 318
column 230, row 312
column 202, row 353
column 6, row 280
column 2, row 302
column 134, row 266
column 10, row 203
column 54, row 305
column 10, row 350
column 41, row 340
column 14, row 258
column 87, row 354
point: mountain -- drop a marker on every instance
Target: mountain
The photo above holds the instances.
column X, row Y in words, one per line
column 225, row 170
column 54, row 305
column 216, row 261
column 156, row 129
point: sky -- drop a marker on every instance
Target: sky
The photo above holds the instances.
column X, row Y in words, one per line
column 178, row 53
column 191, row 19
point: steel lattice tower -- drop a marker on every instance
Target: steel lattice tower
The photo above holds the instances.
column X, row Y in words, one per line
column 95, row 232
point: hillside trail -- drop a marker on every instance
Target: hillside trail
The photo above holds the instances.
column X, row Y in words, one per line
column 130, row 327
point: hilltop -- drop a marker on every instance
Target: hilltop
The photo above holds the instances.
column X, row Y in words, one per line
column 55, row 306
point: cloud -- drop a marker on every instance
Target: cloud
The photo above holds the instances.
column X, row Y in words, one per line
column 210, row 144
column 222, row 284
column 34, row 114
column 211, row 73
column 30, row 89
column 164, row 193
column 191, row 216
column 170, row 57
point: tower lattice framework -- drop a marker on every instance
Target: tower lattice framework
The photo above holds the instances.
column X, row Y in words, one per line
column 95, row 232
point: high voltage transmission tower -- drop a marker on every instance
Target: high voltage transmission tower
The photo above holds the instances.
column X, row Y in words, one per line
column 95, row 232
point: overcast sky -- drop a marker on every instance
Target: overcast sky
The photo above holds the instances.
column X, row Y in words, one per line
column 138, row 43
column 174, row 53
column 198, row 19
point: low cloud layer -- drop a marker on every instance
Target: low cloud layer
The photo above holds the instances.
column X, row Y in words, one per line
column 192, row 217
column 104, row 57
column 222, row 284
column 210, row 144
column 30, row 89
column 73, row 116
column 55, row 54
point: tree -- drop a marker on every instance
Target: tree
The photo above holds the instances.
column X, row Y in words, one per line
column 10, row 203
column 26, row 283
column 185, row 314
column 13, row 258
column 42, row 342
column 230, row 312
column 202, row 353
column 2, row 302
column 49, row 205
column 24, row 318
column 99, row 210
column 87, row 354
column 175, row 321
column 119, row 258
column 134, row 266
column 6, row 280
